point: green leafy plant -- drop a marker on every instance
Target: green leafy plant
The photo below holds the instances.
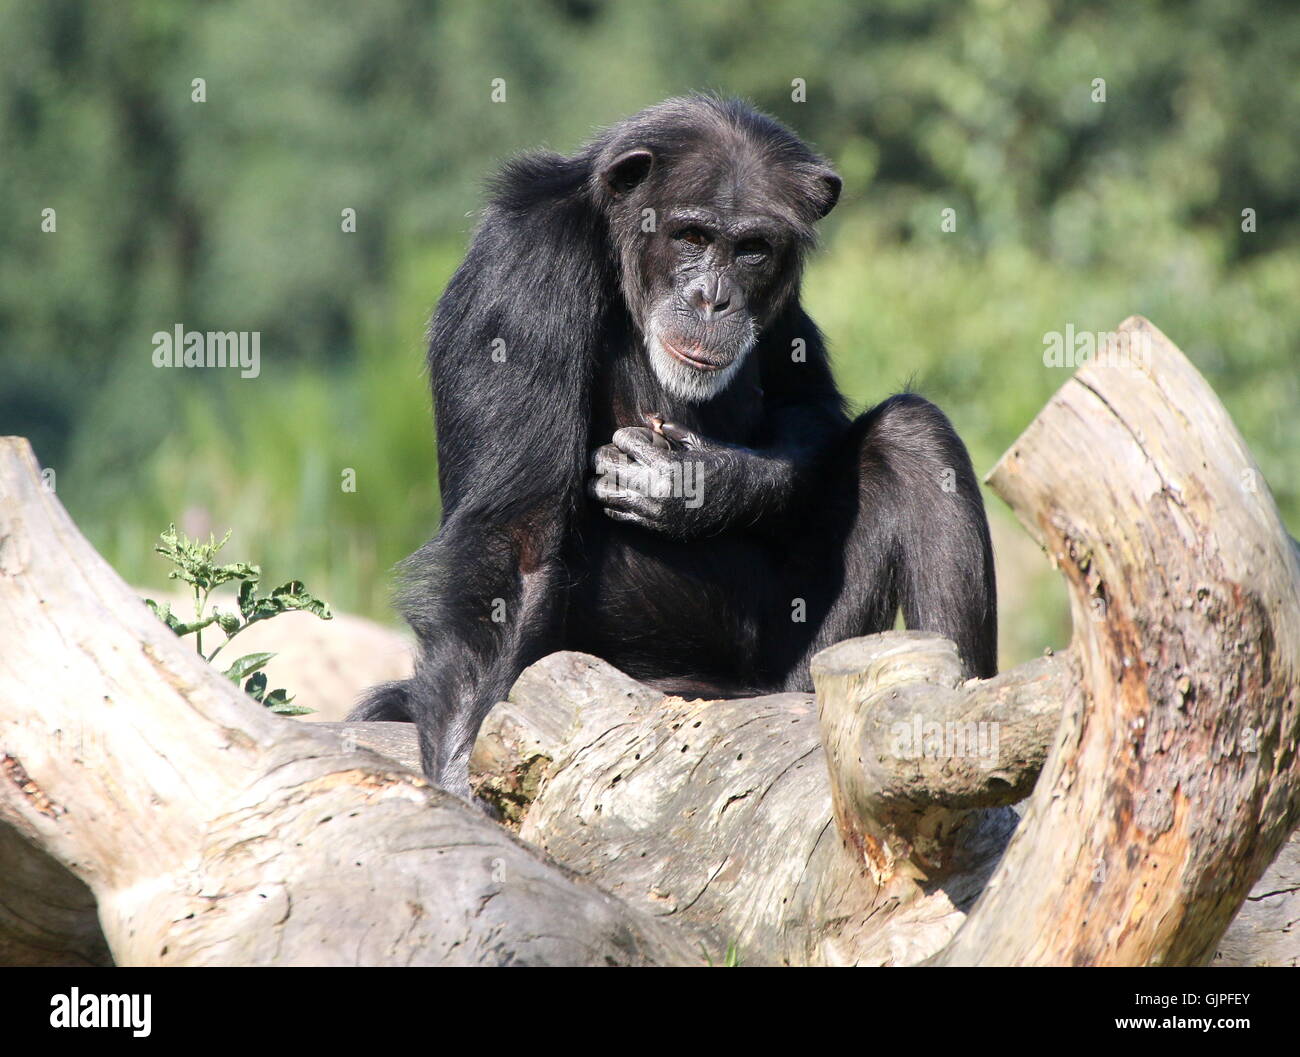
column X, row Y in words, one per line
column 195, row 563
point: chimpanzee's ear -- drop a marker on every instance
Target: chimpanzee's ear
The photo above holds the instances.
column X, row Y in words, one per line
column 627, row 170
column 831, row 184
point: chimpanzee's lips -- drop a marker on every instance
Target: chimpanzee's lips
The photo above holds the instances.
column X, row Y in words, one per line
column 692, row 358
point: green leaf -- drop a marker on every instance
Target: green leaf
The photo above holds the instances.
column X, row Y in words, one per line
column 247, row 601
column 247, row 665
column 228, row 622
column 294, row 595
column 249, row 574
column 194, row 560
column 279, row 702
column 164, row 613
column 193, row 626
column 256, row 686
column 285, row 599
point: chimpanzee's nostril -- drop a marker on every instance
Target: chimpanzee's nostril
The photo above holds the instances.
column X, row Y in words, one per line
column 714, row 297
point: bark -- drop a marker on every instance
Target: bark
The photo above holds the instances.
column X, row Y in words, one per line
column 869, row 824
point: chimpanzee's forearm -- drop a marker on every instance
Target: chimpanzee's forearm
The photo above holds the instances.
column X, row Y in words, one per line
column 794, row 441
column 485, row 601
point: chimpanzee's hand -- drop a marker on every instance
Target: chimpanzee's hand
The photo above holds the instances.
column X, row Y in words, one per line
column 670, row 480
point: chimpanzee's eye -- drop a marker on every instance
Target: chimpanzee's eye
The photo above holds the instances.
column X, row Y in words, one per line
column 754, row 249
column 693, row 236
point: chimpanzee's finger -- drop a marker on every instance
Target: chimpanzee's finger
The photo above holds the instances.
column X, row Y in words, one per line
column 620, row 493
column 624, row 474
column 606, row 458
column 636, row 441
column 621, row 468
column 602, row 489
column 681, row 436
column 626, row 516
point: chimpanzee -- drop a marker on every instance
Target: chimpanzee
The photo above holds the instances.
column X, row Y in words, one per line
column 642, row 452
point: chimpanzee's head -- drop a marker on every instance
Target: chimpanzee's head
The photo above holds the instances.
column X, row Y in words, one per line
column 711, row 207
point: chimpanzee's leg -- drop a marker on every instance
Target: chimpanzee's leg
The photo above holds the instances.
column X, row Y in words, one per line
column 484, row 603
column 898, row 524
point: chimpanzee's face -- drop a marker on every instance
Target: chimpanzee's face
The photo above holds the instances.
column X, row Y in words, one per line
column 710, row 253
column 713, row 278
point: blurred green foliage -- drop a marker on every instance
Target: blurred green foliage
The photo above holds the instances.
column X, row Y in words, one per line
column 225, row 215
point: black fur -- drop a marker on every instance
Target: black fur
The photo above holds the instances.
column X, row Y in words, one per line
column 849, row 519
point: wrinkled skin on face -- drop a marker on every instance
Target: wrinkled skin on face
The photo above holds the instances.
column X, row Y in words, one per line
column 712, row 233
column 713, row 275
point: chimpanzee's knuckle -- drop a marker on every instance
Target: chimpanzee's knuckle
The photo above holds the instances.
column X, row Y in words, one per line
column 634, row 438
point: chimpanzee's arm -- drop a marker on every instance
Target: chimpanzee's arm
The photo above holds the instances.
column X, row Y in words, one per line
column 484, row 603
column 512, row 350
column 674, row 481
column 684, row 485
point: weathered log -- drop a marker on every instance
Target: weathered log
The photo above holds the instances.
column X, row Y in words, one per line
column 212, row 832
column 1173, row 780
column 208, row 831
column 911, row 750
column 717, row 816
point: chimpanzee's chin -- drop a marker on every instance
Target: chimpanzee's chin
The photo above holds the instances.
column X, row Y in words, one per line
column 691, row 371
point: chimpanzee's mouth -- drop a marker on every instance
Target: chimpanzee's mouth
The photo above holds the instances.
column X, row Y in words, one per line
column 693, row 357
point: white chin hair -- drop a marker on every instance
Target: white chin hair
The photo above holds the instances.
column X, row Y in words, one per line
column 686, row 382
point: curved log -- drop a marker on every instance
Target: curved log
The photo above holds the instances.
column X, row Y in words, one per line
column 911, row 750
column 1174, row 780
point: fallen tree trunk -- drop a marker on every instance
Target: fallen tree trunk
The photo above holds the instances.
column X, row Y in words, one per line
column 211, row 832
column 859, row 826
